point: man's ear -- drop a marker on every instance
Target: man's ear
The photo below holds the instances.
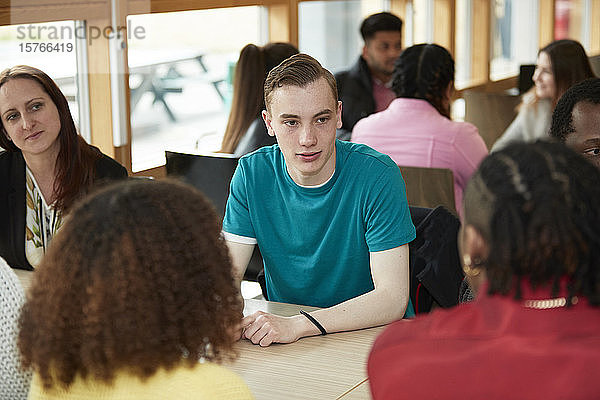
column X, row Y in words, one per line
column 268, row 122
column 364, row 51
column 338, row 116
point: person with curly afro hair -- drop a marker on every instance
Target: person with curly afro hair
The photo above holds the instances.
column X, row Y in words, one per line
column 134, row 300
column 576, row 119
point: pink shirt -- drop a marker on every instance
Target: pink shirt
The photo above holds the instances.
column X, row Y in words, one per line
column 413, row 133
column 382, row 94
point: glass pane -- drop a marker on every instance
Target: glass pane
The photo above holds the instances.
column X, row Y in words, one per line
column 462, row 56
column 422, row 21
column 180, row 78
column 329, row 30
column 49, row 47
column 571, row 20
column 514, row 36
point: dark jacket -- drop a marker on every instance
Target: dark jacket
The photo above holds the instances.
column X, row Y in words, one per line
column 355, row 90
column 435, row 269
column 12, row 203
column 255, row 137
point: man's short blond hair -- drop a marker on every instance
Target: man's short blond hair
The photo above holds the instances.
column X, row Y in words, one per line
column 298, row 70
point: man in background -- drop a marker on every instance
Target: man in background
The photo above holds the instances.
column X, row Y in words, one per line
column 576, row 119
column 366, row 87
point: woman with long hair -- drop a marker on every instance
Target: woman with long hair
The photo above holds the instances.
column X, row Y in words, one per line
column 150, row 306
column 46, row 166
column 246, row 131
column 416, row 129
column 560, row 65
column 530, row 247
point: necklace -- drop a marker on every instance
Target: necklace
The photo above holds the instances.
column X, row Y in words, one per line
column 549, row 303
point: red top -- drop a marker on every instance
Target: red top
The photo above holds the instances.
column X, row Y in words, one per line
column 493, row 348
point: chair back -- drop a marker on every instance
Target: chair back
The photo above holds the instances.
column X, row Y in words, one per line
column 595, row 64
column 429, row 187
column 210, row 174
column 491, row 113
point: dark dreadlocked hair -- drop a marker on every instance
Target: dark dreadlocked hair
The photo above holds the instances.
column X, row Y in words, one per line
column 538, row 208
column 562, row 117
column 424, row 71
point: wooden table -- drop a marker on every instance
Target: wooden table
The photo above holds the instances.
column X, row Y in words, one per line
column 318, row 367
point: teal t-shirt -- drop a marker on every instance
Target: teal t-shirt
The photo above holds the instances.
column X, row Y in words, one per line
column 315, row 241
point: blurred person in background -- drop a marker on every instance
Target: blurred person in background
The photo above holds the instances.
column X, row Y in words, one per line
column 560, row 65
column 366, row 87
column 416, row 129
column 246, row 130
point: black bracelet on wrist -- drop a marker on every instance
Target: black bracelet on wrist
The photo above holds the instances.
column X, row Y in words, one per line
column 314, row 321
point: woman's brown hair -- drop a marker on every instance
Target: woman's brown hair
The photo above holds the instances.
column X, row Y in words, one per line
column 250, row 72
column 139, row 278
column 76, row 159
column 570, row 65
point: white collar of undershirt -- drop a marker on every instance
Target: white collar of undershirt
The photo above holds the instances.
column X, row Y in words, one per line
column 320, row 184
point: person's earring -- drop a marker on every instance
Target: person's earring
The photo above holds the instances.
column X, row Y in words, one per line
column 468, row 268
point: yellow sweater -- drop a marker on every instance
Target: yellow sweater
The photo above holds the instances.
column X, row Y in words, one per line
column 203, row 381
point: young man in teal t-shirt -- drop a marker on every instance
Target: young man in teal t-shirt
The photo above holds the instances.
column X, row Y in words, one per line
column 330, row 217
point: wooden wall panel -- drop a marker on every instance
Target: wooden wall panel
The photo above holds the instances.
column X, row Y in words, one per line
column 444, row 18
column 546, row 22
column 480, row 41
column 32, row 11
column 595, row 28
column 398, row 7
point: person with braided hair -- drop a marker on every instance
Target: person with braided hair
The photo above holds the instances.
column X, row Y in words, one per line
column 560, row 65
column 530, row 246
column 416, row 129
column 576, row 119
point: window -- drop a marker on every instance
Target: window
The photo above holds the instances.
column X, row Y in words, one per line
column 422, row 21
column 571, row 20
column 330, row 30
column 514, row 33
column 180, row 78
column 462, row 53
column 50, row 47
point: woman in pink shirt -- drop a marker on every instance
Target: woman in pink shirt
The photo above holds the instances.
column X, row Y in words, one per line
column 416, row 129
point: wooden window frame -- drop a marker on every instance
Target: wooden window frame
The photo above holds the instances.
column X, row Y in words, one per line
column 283, row 26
